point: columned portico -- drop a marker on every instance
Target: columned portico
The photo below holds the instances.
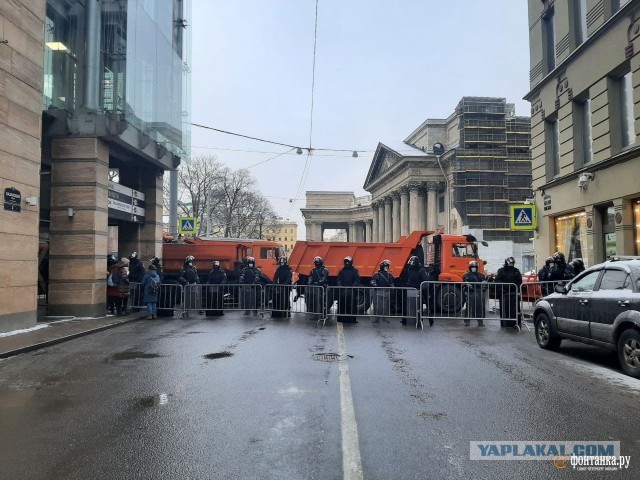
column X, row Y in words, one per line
column 432, row 207
column 404, row 211
column 373, row 237
column 396, row 216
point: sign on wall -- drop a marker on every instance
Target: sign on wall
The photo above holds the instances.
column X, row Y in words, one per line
column 523, row 217
column 12, row 199
column 126, row 203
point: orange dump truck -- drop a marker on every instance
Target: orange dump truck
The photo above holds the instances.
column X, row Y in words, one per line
column 230, row 252
column 450, row 255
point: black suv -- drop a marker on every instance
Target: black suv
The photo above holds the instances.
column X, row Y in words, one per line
column 601, row 307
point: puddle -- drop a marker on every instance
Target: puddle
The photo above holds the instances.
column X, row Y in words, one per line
column 133, row 355
column 193, row 333
column 213, row 356
column 153, row 401
column 261, row 328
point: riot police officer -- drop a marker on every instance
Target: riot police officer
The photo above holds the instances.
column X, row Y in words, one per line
column 280, row 300
column 382, row 296
column 318, row 277
column 215, row 290
column 543, row 277
column 250, row 278
column 348, row 297
column 509, row 293
column 473, row 280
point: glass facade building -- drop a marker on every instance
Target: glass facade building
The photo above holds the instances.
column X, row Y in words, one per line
column 142, row 61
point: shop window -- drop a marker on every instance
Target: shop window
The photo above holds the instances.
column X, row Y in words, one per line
column 571, row 236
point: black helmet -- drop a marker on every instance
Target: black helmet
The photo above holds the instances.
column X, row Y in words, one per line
column 548, row 261
column 413, row 261
column 317, row 261
column 473, row 264
column 189, row 258
column 509, row 262
column 385, row 263
column 558, row 257
column 215, row 264
column 154, row 261
column 578, row 264
column 348, row 261
column 251, row 260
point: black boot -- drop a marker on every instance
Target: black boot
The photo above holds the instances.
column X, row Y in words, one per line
column 403, row 321
column 431, row 322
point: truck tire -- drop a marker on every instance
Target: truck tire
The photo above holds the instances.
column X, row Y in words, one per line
column 449, row 300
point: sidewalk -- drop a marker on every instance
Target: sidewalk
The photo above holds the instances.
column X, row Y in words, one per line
column 45, row 334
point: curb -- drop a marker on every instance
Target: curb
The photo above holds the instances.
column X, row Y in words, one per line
column 48, row 343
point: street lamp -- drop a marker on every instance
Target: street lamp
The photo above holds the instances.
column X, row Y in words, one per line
column 438, row 151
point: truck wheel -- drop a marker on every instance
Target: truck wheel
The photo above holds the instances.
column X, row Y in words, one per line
column 449, row 300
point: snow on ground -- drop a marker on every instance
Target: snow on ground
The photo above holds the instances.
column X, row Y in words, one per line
column 23, row 330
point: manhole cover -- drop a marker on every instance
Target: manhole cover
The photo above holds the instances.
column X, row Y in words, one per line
column 327, row 357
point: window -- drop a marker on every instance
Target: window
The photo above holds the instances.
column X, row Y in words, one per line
column 586, row 283
column 627, row 117
column 580, row 20
column 266, row 253
column 615, row 280
column 571, row 236
column 549, row 40
column 582, row 135
column 618, row 4
column 552, row 141
column 441, row 203
column 463, row 250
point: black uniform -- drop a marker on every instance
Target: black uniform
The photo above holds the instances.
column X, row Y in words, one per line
column 187, row 277
column 319, row 277
column 509, row 294
column 413, row 277
column 475, row 295
column 348, row 297
column 543, row 276
column 280, row 298
column 249, row 294
column 136, row 273
column 560, row 272
column 383, row 302
column 215, row 292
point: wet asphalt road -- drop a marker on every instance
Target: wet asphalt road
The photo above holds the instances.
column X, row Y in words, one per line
column 143, row 401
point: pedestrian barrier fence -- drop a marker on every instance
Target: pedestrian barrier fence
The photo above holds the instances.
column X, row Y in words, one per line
column 531, row 292
column 471, row 301
column 377, row 303
column 170, row 299
column 284, row 300
column 214, row 299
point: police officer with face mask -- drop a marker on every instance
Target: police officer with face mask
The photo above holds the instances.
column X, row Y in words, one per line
column 509, row 293
column 414, row 275
column 475, row 289
column 318, row 277
column 280, row 297
column 188, row 278
column 382, row 296
column 348, row 297
column 250, row 278
column 215, row 291
column 543, row 277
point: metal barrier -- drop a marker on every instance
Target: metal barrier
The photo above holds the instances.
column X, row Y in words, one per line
column 531, row 292
column 215, row 299
column 313, row 300
column 378, row 303
column 170, row 299
column 280, row 301
column 471, row 301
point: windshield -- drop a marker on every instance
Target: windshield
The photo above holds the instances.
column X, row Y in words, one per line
column 463, row 250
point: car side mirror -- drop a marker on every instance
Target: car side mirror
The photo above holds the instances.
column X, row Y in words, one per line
column 561, row 289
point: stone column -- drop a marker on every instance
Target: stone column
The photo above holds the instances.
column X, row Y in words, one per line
column 396, row 216
column 374, row 224
column 623, row 219
column 319, row 232
column 368, row 231
column 432, row 205
column 414, row 207
column 388, row 222
column 351, row 233
column 422, row 217
column 309, row 227
column 78, row 243
column 404, row 211
column 381, row 221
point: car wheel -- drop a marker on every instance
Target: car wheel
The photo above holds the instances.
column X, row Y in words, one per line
column 544, row 335
column 629, row 352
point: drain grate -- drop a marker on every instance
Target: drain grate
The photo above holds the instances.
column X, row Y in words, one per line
column 327, row 357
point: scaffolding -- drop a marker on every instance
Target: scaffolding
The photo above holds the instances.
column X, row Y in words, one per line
column 492, row 165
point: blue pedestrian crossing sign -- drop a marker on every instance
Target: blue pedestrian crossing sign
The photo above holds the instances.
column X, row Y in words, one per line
column 523, row 217
column 188, row 225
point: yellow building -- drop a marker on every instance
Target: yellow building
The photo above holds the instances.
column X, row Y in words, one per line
column 286, row 234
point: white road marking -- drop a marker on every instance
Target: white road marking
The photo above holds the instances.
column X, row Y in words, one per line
column 351, row 461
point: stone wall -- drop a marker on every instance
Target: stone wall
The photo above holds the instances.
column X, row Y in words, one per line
column 21, row 79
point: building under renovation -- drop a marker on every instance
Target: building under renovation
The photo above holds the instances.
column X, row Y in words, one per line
column 485, row 167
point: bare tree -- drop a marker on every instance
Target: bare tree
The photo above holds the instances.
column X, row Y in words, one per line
column 237, row 208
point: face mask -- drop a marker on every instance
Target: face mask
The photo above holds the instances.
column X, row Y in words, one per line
column 191, row 264
column 251, row 265
column 386, row 269
column 474, row 269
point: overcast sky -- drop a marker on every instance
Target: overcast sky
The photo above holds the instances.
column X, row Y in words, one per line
column 382, row 68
